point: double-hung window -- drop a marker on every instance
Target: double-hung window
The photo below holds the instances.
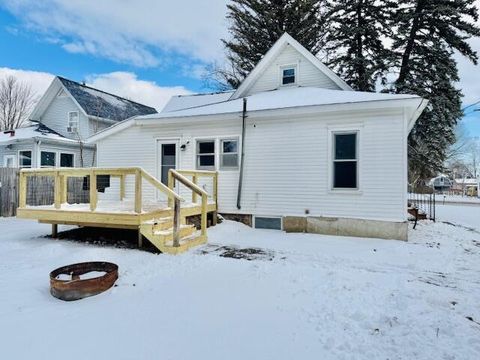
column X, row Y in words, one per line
column 206, row 154
column 73, row 120
column 345, row 160
column 288, row 74
column 229, row 153
column 25, row 159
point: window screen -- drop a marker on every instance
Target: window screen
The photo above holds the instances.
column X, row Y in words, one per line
column 229, row 153
column 345, row 172
column 206, row 154
column 273, row 223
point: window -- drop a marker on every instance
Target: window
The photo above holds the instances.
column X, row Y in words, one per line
column 25, row 159
column 288, row 75
column 206, row 154
column 66, row 160
column 47, row 159
column 229, row 153
column 345, row 163
column 72, row 122
column 273, row 223
column 9, row 161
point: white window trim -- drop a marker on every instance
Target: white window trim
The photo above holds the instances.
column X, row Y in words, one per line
column 59, row 154
column 217, row 152
column 346, row 129
column 221, row 153
column 295, row 66
column 31, row 159
column 78, row 122
column 12, row 157
column 40, row 159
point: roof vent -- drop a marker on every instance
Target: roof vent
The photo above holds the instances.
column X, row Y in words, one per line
column 11, row 132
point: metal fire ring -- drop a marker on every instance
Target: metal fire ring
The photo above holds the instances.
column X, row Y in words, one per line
column 77, row 288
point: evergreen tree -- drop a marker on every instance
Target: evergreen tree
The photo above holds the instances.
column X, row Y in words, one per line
column 428, row 33
column 354, row 30
column 255, row 25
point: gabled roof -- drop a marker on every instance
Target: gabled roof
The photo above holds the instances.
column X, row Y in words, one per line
column 92, row 102
column 35, row 131
column 271, row 55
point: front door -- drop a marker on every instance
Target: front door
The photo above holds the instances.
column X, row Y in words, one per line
column 168, row 151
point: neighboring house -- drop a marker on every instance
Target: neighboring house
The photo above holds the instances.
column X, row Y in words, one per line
column 465, row 186
column 295, row 147
column 440, row 183
column 66, row 115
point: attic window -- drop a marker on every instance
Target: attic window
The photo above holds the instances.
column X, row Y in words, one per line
column 72, row 122
column 288, row 75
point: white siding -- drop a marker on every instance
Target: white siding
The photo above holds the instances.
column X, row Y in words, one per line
column 308, row 74
column 56, row 117
column 287, row 163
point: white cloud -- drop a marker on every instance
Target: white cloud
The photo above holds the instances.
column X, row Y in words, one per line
column 38, row 81
column 130, row 31
column 125, row 84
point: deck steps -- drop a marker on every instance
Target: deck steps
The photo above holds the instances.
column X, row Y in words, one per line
column 160, row 233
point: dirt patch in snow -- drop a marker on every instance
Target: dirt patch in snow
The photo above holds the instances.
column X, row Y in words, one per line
column 233, row 252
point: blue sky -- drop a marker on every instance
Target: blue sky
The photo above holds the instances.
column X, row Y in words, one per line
column 138, row 50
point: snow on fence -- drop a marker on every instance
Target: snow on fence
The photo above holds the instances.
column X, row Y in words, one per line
column 40, row 191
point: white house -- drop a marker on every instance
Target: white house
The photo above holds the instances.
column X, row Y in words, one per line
column 66, row 115
column 295, row 147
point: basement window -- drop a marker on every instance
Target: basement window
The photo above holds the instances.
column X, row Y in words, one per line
column 345, row 162
column 206, row 154
column 271, row 223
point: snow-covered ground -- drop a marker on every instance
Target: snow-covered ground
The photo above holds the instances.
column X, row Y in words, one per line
column 457, row 199
column 320, row 297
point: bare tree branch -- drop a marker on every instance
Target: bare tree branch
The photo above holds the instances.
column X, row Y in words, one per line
column 16, row 103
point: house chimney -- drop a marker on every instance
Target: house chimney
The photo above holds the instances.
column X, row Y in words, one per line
column 11, row 132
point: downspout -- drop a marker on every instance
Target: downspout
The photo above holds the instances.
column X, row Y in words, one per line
column 240, row 177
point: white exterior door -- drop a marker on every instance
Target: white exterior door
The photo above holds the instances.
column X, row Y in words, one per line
column 167, row 158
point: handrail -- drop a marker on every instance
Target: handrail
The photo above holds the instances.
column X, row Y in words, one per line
column 188, row 183
column 161, row 186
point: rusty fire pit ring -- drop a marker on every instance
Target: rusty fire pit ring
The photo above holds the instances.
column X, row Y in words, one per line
column 77, row 288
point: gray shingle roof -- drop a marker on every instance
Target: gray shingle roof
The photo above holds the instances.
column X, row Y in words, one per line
column 102, row 104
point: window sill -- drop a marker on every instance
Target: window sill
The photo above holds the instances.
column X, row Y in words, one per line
column 346, row 191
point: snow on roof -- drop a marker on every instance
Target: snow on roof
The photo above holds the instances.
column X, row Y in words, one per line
column 104, row 105
column 32, row 132
column 281, row 99
column 182, row 102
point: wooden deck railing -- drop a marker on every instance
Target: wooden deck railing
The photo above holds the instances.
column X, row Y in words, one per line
column 61, row 175
column 181, row 176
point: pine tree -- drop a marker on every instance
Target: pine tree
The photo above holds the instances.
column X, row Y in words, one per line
column 429, row 31
column 257, row 24
column 353, row 33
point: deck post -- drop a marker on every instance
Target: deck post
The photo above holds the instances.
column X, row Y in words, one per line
column 171, row 185
column 138, row 192
column 93, row 191
column 54, row 231
column 22, row 191
column 58, row 190
column 176, row 223
column 63, row 189
column 215, row 189
column 204, row 214
column 194, row 194
column 122, row 187
column 140, row 239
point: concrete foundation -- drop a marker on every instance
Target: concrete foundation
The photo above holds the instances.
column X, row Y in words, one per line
column 246, row 219
column 347, row 227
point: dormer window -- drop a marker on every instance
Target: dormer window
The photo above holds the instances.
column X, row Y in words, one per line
column 289, row 75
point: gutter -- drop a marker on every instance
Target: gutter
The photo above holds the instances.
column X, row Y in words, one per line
column 240, row 177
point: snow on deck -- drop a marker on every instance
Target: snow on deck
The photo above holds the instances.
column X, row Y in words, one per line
column 321, row 297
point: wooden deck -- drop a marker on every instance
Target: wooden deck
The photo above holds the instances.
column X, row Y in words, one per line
column 163, row 223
